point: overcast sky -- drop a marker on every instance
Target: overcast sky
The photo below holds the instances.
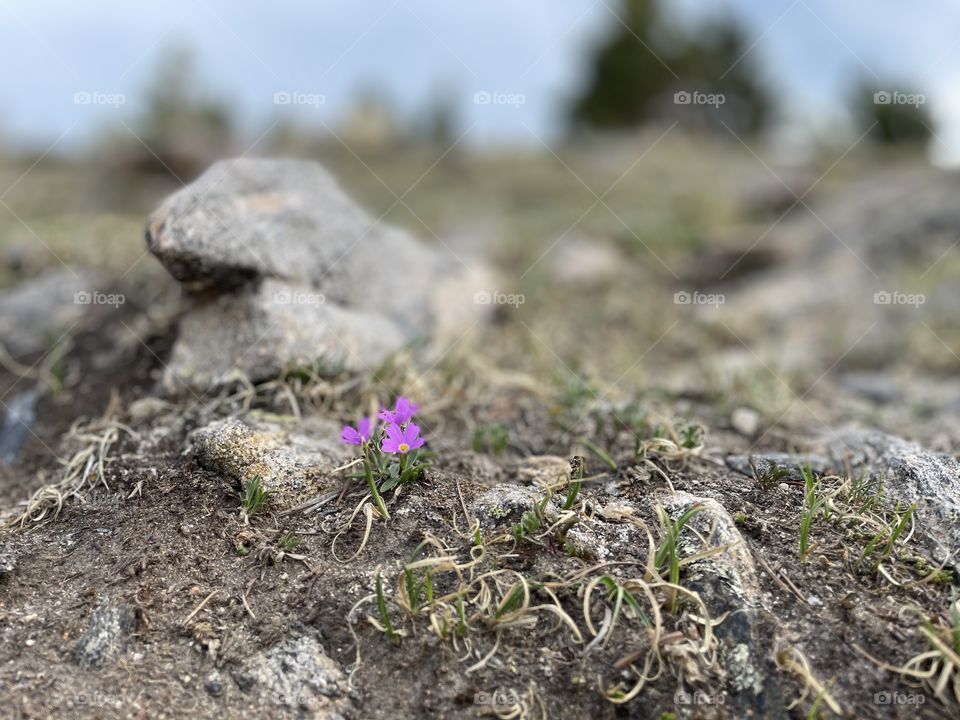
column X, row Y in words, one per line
column 810, row 51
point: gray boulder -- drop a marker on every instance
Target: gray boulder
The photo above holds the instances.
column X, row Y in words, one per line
column 250, row 231
column 34, row 313
column 263, row 331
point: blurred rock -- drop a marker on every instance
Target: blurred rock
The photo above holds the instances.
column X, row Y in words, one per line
column 263, row 233
column 21, row 414
column 584, row 260
column 881, row 234
column 745, row 421
column 36, row 312
column 878, row 387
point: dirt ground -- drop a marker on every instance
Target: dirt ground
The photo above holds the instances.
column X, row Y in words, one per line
column 134, row 585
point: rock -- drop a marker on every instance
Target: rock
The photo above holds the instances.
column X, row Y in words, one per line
column 584, row 260
column 910, row 474
column 36, row 312
column 293, row 461
column 760, row 465
column 252, row 218
column 298, row 675
column 8, row 560
column 745, row 421
column 878, row 387
column 727, row 583
column 302, row 273
column 21, row 414
column 259, row 334
column 504, row 505
column 101, row 640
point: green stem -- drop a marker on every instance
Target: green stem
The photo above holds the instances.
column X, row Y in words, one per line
column 377, row 499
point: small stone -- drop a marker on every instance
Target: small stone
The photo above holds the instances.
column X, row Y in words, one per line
column 8, row 560
column 792, row 466
column 504, row 505
column 745, row 421
column 292, row 462
column 101, row 640
column 298, row 674
column 262, row 333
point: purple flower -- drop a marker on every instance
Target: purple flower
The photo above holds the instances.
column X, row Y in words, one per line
column 402, row 439
column 402, row 412
column 357, row 435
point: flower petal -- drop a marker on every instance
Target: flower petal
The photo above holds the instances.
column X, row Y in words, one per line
column 365, row 427
column 350, row 435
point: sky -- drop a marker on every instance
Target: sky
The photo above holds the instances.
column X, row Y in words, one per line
column 72, row 69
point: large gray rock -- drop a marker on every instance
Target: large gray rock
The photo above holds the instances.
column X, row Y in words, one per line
column 34, row 313
column 263, row 331
column 910, row 474
column 254, row 230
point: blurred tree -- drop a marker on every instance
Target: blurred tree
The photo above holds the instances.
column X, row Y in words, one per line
column 634, row 76
column 439, row 123
column 717, row 62
column 625, row 74
column 893, row 117
column 182, row 127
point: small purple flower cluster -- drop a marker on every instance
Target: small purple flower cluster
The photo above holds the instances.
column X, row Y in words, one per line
column 400, row 434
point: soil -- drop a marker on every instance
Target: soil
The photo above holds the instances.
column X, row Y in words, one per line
column 210, row 591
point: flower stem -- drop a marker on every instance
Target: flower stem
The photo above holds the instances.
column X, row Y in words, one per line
column 377, row 499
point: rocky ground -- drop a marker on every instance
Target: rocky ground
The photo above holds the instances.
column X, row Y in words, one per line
column 767, row 525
